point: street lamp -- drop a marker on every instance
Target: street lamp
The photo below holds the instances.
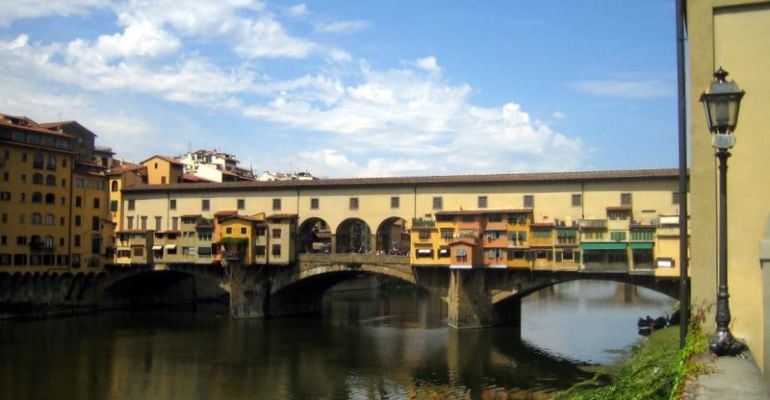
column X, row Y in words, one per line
column 721, row 103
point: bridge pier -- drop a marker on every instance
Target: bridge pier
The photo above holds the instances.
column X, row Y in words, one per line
column 469, row 304
column 249, row 298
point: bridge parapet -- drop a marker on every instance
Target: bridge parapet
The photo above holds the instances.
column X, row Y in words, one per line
column 353, row 258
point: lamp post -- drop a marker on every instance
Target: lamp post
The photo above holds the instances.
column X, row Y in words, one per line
column 721, row 102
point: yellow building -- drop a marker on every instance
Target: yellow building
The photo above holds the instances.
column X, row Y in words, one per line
column 36, row 166
column 162, row 170
column 92, row 224
column 732, row 34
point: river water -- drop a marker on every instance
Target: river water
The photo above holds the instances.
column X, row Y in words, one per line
column 370, row 344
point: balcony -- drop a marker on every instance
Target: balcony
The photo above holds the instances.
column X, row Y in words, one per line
column 423, row 223
column 593, row 224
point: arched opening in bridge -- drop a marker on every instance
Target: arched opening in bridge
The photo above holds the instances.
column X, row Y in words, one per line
column 355, row 297
column 354, row 236
column 164, row 288
column 585, row 319
column 393, row 237
column 314, row 236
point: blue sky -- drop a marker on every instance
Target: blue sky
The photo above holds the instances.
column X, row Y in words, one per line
column 355, row 88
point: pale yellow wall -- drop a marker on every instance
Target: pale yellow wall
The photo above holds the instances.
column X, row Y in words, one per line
column 733, row 35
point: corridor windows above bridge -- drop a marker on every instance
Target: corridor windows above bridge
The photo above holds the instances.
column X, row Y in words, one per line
column 395, row 202
column 172, row 204
column 241, row 204
column 314, row 203
column 438, row 203
column 131, row 203
column 276, row 234
column 577, row 200
column 276, row 204
column 205, row 205
column 353, row 205
column 482, row 202
column 529, row 201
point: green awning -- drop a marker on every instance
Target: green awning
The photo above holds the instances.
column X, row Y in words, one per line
column 602, row 246
column 641, row 246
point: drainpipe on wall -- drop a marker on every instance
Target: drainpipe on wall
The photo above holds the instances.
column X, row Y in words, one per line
column 684, row 289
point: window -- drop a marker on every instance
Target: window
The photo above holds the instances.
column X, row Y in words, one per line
column 447, row 234
column 129, row 223
column 50, row 180
column 241, row 204
column 77, row 240
column 461, row 254
column 113, row 205
column 229, row 231
column 276, row 250
column 21, row 240
column 131, row 204
column 5, row 217
column 96, row 245
column 353, row 204
column 51, row 166
column 259, row 251
column 79, row 202
column 37, row 161
column 50, row 198
column 642, row 235
column 24, row 178
column 137, row 251
column 314, row 204
column 438, row 203
column 97, row 203
column 541, row 234
column 424, row 234
column 37, row 197
column 172, row 204
column 204, row 205
column 114, row 186
column 259, row 231
column 529, row 201
column 5, row 196
column 674, row 197
column 394, row 202
column 276, row 204
column 243, row 231
column 63, row 183
column 482, row 202
column 6, row 176
column 618, row 236
column 577, row 200
column 50, row 219
column 625, row 199
column 174, row 223
column 144, row 222
column 158, row 223
column 37, row 219
column 276, row 234
column 37, row 179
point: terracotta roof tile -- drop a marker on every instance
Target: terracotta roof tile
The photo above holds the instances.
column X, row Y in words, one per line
column 451, row 180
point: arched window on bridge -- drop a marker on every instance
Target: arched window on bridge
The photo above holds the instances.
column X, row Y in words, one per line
column 354, row 236
column 393, row 237
column 314, row 237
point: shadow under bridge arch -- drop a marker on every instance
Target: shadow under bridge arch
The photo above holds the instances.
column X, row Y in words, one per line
column 164, row 287
column 304, row 291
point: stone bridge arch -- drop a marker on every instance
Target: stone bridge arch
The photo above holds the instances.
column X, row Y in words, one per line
column 392, row 237
column 314, row 235
column 173, row 284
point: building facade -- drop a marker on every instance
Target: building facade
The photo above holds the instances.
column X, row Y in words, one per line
column 731, row 34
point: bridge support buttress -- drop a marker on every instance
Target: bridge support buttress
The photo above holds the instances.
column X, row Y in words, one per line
column 248, row 297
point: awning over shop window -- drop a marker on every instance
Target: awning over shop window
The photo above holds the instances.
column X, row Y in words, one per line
column 641, row 246
column 602, row 246
column 424, row 251
column 157, row 247
column 171, row 247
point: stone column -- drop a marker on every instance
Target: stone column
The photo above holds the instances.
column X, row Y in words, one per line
column 470, row 305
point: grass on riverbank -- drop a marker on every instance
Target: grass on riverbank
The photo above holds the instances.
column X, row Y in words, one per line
column 657, row 370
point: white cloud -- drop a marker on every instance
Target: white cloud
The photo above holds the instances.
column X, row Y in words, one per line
column 297, row 10
column 626, row 88
column 23, row 9
column 342, row 26
column 350, row 120
column 140, row 39
column 557, row 115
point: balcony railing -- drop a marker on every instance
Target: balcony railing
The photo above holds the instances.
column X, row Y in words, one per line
column 423, row 223
column 593, row 223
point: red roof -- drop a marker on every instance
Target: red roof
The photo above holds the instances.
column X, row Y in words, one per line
column 225, row 213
